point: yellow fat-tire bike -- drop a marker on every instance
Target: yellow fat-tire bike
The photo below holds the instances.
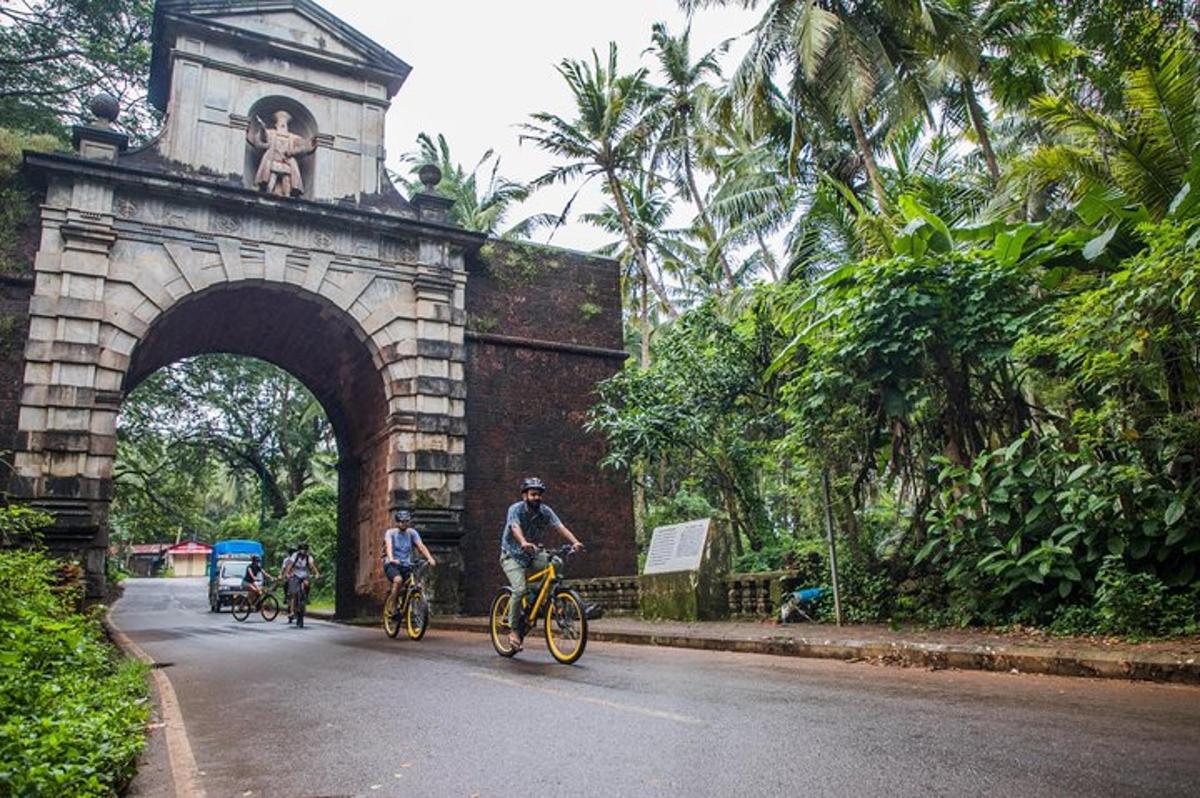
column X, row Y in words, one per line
column 412, row 614
column 560, row 608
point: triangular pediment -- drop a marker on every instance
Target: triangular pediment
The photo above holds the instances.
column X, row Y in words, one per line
column 298, row 27
column 294, row 28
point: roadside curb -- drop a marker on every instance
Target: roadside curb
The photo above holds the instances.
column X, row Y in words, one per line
column 935, row 656
column 184, row 773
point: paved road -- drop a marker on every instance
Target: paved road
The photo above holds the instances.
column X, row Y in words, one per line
column 345, row 711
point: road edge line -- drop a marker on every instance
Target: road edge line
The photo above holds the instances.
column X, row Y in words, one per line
column 184, row 773
column 935, row 656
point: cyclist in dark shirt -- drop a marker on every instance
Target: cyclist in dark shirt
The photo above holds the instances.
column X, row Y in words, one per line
column 252, row 579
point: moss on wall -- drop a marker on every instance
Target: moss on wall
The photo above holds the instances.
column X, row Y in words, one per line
column 17, row 200
column 516, row 263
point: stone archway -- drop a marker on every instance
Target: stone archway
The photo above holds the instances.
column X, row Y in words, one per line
column 148, row 254
column 326, row 350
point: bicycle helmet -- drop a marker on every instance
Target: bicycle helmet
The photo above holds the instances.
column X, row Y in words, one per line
column 402, row 515
column 532, row 483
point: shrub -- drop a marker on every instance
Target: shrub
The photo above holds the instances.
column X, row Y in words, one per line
column 72, row 714
column 312, row 516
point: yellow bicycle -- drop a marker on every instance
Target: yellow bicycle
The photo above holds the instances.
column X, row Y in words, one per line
column 410, row 608
column 561, row 608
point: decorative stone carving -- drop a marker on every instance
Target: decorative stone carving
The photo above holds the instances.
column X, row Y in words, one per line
column 126, row 208
column 227, row 224
column 279, row 168
column 322, row 240
column 176, row 217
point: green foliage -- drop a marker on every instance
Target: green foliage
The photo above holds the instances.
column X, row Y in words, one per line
column 17, row 203
column 482, row 197
column 312, row 517
column 698, row 407
column 210, row 437
column 808, row 557
column 55, row 55
column 21, row 524
column 989, row 341
column 682, row 505
column 71, row 715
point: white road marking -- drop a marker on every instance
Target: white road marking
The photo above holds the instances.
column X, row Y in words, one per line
column 603, row 702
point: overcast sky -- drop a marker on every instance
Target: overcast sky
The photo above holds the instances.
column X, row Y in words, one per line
column 480, row 69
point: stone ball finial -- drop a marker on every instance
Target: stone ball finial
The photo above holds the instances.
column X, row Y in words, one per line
column 104, row 107
column 430, row 176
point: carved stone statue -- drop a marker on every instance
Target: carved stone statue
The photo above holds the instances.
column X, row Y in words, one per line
column 279, row 168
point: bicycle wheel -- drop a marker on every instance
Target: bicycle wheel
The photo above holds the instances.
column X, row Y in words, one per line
column 269, row 607
column 566, row 626
column 498, row 623
column 241, row 607
column 391, row 620
column 416, row 615
column 301, row 601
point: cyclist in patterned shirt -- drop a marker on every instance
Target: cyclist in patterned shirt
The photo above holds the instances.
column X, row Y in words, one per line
column 525, row 528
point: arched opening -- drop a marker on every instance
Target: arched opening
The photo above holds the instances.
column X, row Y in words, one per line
column 325, row 350
column 220, row 447
column 300, row 122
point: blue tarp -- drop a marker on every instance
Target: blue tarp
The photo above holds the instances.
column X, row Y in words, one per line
column 224, row 549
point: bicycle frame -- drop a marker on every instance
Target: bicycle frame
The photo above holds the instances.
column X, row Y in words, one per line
column 548, row 576
column 407, row 588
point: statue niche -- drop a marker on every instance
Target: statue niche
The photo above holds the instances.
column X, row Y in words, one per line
column 281, row 152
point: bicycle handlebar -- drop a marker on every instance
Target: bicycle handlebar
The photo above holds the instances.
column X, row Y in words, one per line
column 565, row 550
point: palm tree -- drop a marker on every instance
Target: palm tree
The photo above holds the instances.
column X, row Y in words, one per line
column 1146, row 150
column 846, row 61
column 480, row 204
column 606, row 139
column 754, row 196
column 667, row 249
column 676, row 115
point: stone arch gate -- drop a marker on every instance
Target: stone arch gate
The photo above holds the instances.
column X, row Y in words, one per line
column 182, row 247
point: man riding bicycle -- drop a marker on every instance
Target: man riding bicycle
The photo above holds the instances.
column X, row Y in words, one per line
column 525, row 528
column 298, row 576
column 398, row 544
column 252, row 579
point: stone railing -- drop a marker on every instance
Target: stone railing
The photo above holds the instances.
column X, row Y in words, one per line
column 750, row 595
column 758, row 595
column 615, row 594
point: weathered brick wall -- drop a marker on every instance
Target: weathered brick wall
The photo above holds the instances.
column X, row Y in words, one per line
column 544, row 326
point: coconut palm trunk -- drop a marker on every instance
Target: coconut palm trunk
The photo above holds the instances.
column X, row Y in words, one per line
column 868, row 156
column 768, row 258
column 975, row 111
column 709, row 228
column 614, row 186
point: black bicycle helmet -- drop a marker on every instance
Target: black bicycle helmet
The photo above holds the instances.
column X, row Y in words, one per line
column 532, row 483
column 402, row 515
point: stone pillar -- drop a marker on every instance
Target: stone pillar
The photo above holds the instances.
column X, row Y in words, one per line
column 71, row 393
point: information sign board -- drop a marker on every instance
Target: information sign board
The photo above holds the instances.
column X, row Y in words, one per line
column 678, row 547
